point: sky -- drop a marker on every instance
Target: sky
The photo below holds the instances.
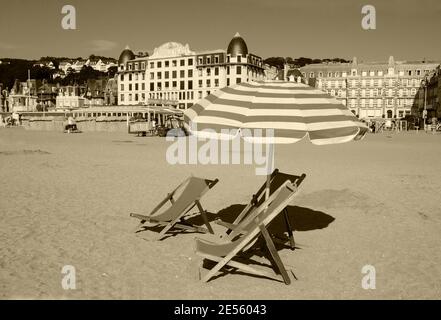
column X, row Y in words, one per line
column 406, row 29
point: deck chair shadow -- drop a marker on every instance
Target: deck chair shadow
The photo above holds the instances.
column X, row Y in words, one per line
column 191, row 191
column 232, row 249
column 276, row 180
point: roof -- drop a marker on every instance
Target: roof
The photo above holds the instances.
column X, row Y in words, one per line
column 237, row 46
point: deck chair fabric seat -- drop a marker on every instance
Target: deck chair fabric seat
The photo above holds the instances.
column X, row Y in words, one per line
column 193, row 189
column 246, row 233
column 277, row 179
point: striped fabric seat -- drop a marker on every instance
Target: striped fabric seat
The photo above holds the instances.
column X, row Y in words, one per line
column 291, row 110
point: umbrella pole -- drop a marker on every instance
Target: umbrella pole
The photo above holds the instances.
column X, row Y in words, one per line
column 270, row 165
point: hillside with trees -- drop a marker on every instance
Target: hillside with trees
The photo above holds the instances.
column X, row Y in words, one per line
column 17, row 69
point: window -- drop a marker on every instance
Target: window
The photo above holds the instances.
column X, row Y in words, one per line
column 228, row 81
column 159, row 64
column 122, row 77
column 216, row 59
column 152, row 65
column 136, row 86
column 182, row 73
column 130, row 87
column 174, row 63
column 200, row 83
column 166, row 75
column 216, row 71
column 311, row 74
column 190, row 85
column 238, row 70
column 208, row 60
column 216, row 82
column 159, row 75
column 166, row 84
column 238, row 80
column 122, row 87
column 200, row 60
column 143, row 86
column 190, row 73
column 152, row 86
column 182, row 85
column 122, row 97
column 175, row 84
column 174, row 74
column 167, row 63
column 190, row 62
column 239, row 59
column 228, row 70
column 152, row 75
column 182, row 62
column 130, row 77
column 208, row 83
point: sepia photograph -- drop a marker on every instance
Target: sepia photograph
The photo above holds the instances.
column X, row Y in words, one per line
column 224, row 150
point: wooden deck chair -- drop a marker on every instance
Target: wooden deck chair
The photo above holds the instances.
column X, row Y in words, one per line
column 193, row 188
column 276, row 180
column 227, row 251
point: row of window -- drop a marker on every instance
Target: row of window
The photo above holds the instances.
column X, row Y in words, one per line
column 136, row 76
column 173, row 63
column 380, row 102
column 373, row 93
column 371, row 83
column 136, row 86
column 379, row 73
column 135, row 66
column 173, row 85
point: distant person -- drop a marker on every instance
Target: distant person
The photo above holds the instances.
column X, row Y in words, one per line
column 16, row 119
column 71, row 124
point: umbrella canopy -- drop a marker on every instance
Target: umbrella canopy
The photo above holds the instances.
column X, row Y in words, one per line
column 291, row 110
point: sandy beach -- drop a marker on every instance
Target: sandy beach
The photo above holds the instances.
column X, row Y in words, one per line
column 66, row 199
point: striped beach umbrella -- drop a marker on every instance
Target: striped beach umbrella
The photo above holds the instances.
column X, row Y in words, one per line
column 291, row 111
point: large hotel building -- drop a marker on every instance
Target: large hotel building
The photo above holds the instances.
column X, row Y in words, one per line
column 389, row 89
column 175, row 75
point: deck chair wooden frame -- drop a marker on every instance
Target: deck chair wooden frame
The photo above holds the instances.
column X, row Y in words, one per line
column 176, row 219
column 246, row 233
column 258, row 197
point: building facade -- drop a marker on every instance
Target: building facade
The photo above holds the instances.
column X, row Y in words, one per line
column 177, row 76
column 371, row 89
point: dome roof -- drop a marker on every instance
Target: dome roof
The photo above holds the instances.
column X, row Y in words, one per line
column 237, row 46
column 126, row 55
